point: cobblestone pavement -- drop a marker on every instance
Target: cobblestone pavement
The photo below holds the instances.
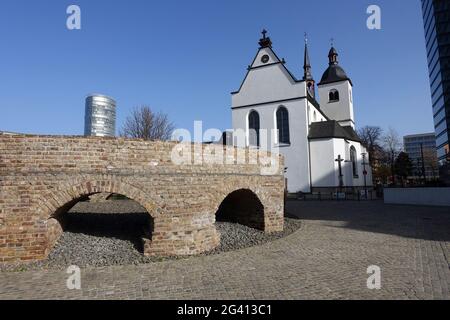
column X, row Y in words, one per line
column 326, row 259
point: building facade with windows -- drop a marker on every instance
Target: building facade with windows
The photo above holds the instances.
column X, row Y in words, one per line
column 278, row 112
column 436, row 17
column 421, row 149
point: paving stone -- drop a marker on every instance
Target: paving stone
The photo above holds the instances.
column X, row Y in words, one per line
column 326, row 259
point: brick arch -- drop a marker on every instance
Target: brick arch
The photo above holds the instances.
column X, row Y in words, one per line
column 219, row 197
column 45, row 173
column 64, row 196
column 255, row 219
column 76, row 189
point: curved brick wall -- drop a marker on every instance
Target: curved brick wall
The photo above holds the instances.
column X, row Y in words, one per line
column 43, row 176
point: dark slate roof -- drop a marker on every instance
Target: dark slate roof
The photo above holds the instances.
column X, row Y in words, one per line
column 331, row 129
column 334, row 73
column 352, row 133
column 332, row 52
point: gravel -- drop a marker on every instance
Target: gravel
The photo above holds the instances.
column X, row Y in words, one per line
column 110, row 233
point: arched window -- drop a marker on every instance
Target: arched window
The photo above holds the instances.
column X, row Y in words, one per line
column 283, row 125
column 353, row 159
column 334, row 95
column 253, row 127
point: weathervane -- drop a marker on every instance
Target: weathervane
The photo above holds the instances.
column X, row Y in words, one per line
column 306, row 38
column 332, row 42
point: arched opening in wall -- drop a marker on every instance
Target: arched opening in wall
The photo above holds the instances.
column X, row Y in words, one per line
column 333, row 95
column 242, row 207
column 100, row 233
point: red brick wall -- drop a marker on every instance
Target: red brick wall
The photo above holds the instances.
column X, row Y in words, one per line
column 40, row 175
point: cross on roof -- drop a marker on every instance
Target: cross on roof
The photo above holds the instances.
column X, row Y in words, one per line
column 264, row 33
column 265, row 42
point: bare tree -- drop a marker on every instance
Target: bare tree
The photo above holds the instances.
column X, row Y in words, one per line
column 392, row 145
column 370, row 137
column 145, row 124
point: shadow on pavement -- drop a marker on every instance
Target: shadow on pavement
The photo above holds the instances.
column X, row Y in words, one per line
column 419, row 222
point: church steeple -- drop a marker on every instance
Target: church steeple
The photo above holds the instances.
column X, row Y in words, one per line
column 332, row 56
column 307, row 75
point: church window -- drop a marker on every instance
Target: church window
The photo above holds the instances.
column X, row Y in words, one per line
column 253, row 126
column 353, row 159
column 283, row 125
column 334, row 95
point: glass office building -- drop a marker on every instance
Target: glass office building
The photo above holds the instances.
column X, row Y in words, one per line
column 436, row 17
column 100, row 116
column 422, row 148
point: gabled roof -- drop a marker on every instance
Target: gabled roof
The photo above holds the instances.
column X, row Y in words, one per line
column 331, row 129
column 279, row 61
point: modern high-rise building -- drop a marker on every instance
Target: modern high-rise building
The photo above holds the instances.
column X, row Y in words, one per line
column 436, row 17
column 421, row 149
column 100, row 116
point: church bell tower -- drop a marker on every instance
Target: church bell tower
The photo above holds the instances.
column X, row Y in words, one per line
column 335, row 92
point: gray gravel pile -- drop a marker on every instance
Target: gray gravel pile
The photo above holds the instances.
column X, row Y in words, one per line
column 234, row 236
column 110, row 233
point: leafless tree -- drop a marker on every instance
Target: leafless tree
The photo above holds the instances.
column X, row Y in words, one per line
column 370, row 137
column 392, row 146
column 145, row 124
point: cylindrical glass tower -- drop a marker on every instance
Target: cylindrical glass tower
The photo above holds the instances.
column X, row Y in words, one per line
column 100, row 116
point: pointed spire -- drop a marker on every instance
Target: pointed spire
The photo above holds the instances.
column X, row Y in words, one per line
column 307, row 64
column 307, row 75
column 332, row 55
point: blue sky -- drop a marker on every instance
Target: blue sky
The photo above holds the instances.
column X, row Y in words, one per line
column 185, row 57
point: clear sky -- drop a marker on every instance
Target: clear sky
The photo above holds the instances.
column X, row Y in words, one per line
column 185, row 57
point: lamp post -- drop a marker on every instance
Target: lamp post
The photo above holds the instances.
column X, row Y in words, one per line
column 364, row 163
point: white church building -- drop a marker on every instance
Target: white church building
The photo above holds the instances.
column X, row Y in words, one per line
column 316, row 137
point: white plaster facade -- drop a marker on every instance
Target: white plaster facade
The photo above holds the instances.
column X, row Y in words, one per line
column 309, row 162
column 341, row 110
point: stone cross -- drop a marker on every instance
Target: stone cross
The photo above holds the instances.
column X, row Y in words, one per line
column 339, row 161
